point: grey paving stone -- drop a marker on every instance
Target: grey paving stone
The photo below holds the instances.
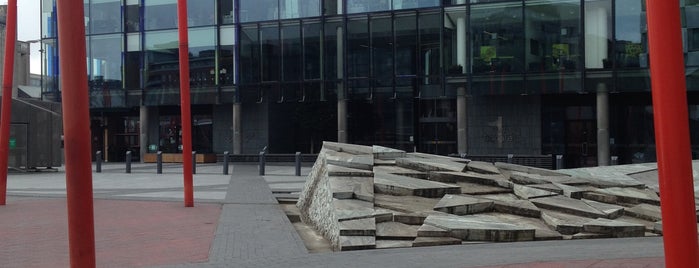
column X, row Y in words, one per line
column 405, row 204
column 482, row 167
column 645, row 211
column 518, row 207
column 571, row 191
column 631, row 195
column 396, row 231
column 470, row 177
column 357, row 242
column 435, row 241
column 430, row 164
column 614, row 228
column 348, row 148
column 541, row 230
column 381, row 152
column 568, row 205
column 481, row 228
column 527, row 169
column 361, row 188
column 480, row 189
column 463, row 205
column 649, row 224
column 548, row 187
column 351, row 209
column 384, row 244
column 526, row 178
column 364, row 162
column 427, row 230
column 358, row 227
column 401, row 171
column 340, row 171
column 402, row 185
column 563, row 223
column 526, row 192
column 439, row 157
column 611, row 211
column 383, row 214
column 585, row 235
column 604, row 177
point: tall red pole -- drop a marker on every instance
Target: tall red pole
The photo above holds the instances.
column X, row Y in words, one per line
column 76, row 131
column 184, row 103
column 6, row 109
column 672, row 134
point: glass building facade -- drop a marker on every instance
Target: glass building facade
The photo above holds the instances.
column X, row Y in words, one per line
column 474, row 77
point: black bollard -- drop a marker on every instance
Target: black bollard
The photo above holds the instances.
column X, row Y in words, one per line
column 128, row 161
column 262, row 163
column 98, row 161
column 559, row 161
column 298, row 163
column 159, row 162
column 225, row 163
column 194, row 162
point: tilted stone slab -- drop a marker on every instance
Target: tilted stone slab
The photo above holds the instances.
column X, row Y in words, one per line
column 614, row 228
column 542, row 231
column 427, row 230
column 645, row 211
column 348, row 148
column 519, row 207
column 482, row 167
column 471, row 177
column 611, row 211
column 396, row 170
column 396, row 231
column 357, row 242
column 631, row 195
column 384, row 244
column 405, row 204
column 563, row 223
column 527, row 169
column 382, row 162
column 358, row 227
column 548, row 187
column 440, row 157
column 463, row 205
column 435, row 241
column 584, row 235
column 364, row 162
column 425, row 165
column 526, row 178
column 649, row 224
column 480, row 189
column 343, row 187
column 571, row 191
column 381, row 152
column 481, row 228
column 568, row 205
column 525, row 192
column 604, row 177
column 352, row 209
column 567, row 180
column 402, row 185
column 383, row 214
column 340, row 171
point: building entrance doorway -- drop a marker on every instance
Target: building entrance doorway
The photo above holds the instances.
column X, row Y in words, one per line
column 581, row 143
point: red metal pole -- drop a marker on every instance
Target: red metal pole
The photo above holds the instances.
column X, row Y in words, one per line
column 184, row 103
column 672, row 134
column 6, row 109
column 76, row 131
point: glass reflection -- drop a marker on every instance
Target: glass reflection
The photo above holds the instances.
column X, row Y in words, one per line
column 553, row 35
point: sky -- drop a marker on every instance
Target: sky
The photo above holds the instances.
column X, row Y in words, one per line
column 29, row 28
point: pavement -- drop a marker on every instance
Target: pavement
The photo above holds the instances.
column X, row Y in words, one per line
column 141, row 221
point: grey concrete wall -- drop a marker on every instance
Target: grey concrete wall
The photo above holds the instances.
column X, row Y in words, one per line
column 504, row 125
column 223, row 128
column 255, row 120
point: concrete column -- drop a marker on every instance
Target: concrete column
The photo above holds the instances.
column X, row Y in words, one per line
column 602, row 125
column 461, row 42
column 341, row 98
column 143, row 132
column 461, row 141
column 237, row 133
column 339, row 6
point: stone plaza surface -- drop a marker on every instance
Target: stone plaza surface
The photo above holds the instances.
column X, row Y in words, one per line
column 238, row 221
column 433, row 200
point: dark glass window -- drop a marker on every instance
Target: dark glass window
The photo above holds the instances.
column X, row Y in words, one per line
column 162, row 62
column 132, row 62
column 331, row 7
column 292, row 56
column 405, row 4
column 598, row 34
column 360, row 6
column 299, row 8
column 553, row 36
column 226, row 12
column 429, row 28
column 406, row 44
column 48, row 18
column 249, row 55
column 498, row 38
column 133, row 16
column 631, row 43
column 382, row 51
column 270, row 52
column 258, row 10
column 202, row 57
column 160, row 14
column 455, row 41
column 201, row 13
column 358, row 49
column 311, row 49
column 105, row 16
column 105, row 60
column 50, row 71
column 226, row 56
column 332, row 48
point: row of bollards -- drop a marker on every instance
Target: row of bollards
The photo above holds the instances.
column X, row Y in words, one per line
column 226, row 162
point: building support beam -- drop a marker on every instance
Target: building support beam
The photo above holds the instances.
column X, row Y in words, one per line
column 603, row 156
column 237, row 129
column 143, row 131
column 461, row 121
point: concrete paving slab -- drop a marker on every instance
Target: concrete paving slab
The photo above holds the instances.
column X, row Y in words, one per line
column 482, row 167
column 351, row 209
column 649, row 224
column 526, row 178
column 614, row 228
column 631, row 195
column 481, row 228
column 526, row 192
column 427, row 230
column 384, row 244
column 340, row 171
column 435, row 241
column 361, row 188
column 396, row 231
column 479, row 189
column 357, row 242
column 563, row 223
column 348, row 148
column 405, row 204
column 548, row 187
column 470, row 177
column 381, row 152
column 431, row 164
column 568, row 205
column 611, row 211
column 439, row 157
column 584, row 235
column 358, row 227
column 570, row 191
column 363, row 162
column 542, row 231
column 401, row 171
column 527, row 169
column 463, row 205
column 402, row 185
column 604, row 177
column 645, row 211
column 519, row 207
